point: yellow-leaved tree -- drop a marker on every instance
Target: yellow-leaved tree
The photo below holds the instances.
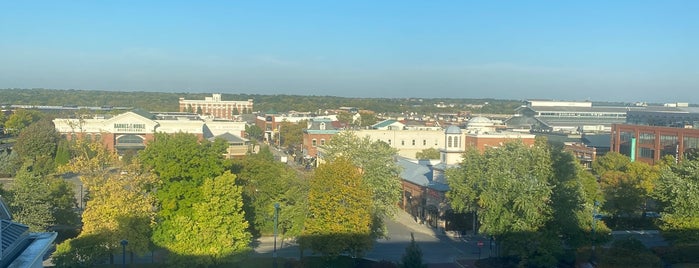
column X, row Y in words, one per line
column 120, row 206
column 339, row 216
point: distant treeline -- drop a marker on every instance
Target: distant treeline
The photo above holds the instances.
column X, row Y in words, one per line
column 167, row 102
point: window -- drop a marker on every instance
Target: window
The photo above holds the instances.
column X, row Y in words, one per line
column 449, row 142
column 668, row 145
column 666, row 140
column 314, row 143
column 322, row 142
column 389, row 142
column 413, row 142
column 322, row 126
column 402, row 142
column 646, row 152
column 646, row 138
column 424, row 142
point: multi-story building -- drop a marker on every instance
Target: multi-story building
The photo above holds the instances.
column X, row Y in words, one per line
column 318, row 132
column 651, row 143
column 568, row 116
column 216, row 107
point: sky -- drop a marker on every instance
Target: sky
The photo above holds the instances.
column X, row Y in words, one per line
column 565, row 50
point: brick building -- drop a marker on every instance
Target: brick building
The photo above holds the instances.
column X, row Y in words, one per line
column 651, row 143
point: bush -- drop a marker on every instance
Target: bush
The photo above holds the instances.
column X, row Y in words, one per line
column 684, row 253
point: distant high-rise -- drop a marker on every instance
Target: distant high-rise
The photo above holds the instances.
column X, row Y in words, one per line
column 216, row 107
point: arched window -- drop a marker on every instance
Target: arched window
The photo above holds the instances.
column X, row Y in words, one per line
column 449, row 142
column 314, row 143
column 322, row 126
column 322, row 142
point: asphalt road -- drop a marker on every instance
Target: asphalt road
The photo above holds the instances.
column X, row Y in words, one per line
column 436, row 247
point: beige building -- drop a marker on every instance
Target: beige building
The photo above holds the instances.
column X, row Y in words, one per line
column 216, row 107
column 131, row 131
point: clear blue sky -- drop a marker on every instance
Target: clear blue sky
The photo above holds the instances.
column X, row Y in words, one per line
column 572, row 50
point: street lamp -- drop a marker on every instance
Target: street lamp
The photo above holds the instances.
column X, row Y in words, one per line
column 123, row 242
column 276, row 221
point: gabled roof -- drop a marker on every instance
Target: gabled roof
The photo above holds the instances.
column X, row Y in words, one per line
column 414, row 172
column 230, row 138
column 386, row 123
column 144, row 113
column 597, row 140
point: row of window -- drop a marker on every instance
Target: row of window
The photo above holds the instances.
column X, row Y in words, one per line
column 413, row 143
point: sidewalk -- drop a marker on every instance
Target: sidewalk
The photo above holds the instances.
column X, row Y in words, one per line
column 407, row 220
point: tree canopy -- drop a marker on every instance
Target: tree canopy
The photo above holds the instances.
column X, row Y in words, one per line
column 380, row 172
column 626, row 185
column 511, row 189
column 338, row 219
column 266, row 182
column 429, row 153
column 20, row 119
column 36, row 145
column 677, row 190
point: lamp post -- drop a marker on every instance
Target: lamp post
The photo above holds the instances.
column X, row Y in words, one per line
column 123, row 242
column 276, row 221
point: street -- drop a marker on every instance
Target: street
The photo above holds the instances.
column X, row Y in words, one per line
column 436, row 247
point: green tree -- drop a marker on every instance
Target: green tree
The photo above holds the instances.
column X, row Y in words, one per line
column 378, row 169
column 412, row 258
column 62, row 199
column 367, row 119
column 677, row 191
column 627, row 186
column 20, row 119
column 573, row 201
column 338, row 219
column 82, row 251
column 121, row 207
column 3, row 118
column 181, row 157
column 291, row 134
column 29, row 202
column 429, row 153
column 510, row 189
column 183, row 165
column 216, row 231
column 253, row 132
column 266, row 182
column 10, row 163
column 345, row 118
column 611, row 161
column 36, row 145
